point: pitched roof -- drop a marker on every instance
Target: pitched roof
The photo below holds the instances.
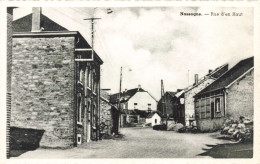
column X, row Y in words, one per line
column 24, row 24
column 214, row 74
column 125, row 95
column 171, row 93
column 233, row 74
column 150, row 115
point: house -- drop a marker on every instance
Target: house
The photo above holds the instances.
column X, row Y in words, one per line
column 154, row 118
column 198, row 85
column 171, row 105
column 166, row 104
column 230, row 96
column 134, row 104
column 179, row 110
column 55, row 83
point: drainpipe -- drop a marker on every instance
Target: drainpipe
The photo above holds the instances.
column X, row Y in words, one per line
column 225, row 101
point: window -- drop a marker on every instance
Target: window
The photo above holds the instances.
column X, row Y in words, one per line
column 89, row 78
column 217, row 102
column 155, row 121
column 79, row 108
column 78, row 139
column 149, row 106
column 81, row 74
column 135, row 105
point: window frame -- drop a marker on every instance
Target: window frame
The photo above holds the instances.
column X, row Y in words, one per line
column 217, row 105
column 79, row 109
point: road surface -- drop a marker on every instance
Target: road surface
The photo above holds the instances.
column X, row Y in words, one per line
column 137, row 143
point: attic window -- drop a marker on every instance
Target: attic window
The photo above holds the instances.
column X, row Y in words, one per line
column 149, row 106
column 135, row 104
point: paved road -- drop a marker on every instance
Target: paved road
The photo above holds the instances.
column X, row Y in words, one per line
column 137, row 143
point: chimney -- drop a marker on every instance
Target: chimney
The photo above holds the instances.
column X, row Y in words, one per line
column 196, row 79
column 36, row 19
column 210, row 70
column 139, row 86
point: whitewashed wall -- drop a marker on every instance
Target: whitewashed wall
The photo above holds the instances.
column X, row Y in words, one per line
column 142, row 99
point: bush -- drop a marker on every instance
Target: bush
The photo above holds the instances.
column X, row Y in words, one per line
column 241, row 131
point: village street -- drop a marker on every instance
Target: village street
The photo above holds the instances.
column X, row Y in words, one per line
column 137, row 142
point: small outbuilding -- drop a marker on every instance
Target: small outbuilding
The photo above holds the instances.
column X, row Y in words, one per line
column 154, row 118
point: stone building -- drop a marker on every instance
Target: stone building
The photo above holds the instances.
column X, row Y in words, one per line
column 230, row 96
column 55, row 84
column 198, row 85
column 108, row 115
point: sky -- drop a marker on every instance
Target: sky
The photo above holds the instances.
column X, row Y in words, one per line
column 154, row 43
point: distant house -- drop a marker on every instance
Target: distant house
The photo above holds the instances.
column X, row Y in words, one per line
column 134, row 104
column 230, row 96
column 166, row 104
column 55, row 83
column 171, row 105
column 198, row 85
column 154, row 118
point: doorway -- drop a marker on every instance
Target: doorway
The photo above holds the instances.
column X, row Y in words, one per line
column 212, row 110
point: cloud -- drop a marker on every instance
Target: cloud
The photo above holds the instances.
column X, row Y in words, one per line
column 158, row 43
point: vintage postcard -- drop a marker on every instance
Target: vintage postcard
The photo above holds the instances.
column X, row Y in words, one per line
column 127, row 81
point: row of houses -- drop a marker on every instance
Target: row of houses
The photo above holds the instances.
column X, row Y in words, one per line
column 222, row 93
column 56, row 99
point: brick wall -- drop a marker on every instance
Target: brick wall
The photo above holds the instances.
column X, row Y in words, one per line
column 43, row 87
column 240, row 99
column 9, row 63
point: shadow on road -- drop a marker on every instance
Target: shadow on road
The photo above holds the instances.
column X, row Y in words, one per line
column 230, row 150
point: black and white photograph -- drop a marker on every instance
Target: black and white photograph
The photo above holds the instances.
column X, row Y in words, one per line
column 130, row 82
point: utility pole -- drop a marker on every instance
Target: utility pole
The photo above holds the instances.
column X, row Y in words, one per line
column 97, row 109
column 92, row 34
column 119, row 97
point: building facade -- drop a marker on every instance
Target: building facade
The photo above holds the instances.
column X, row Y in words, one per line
column 55, row 82
column 166, row 104
column 135, row 105
column 171, row 106
column 154, row 118
column 230, row 96
column 199, row 85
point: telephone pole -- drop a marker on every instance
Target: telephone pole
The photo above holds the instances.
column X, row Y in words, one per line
column 95, row 114
column 92, row 34
column 119, row 97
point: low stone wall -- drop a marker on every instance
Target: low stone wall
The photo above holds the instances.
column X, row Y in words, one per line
column 210, row 125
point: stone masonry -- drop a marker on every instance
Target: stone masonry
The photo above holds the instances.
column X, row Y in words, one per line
column 240, row 99
column 43, row 86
